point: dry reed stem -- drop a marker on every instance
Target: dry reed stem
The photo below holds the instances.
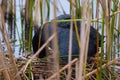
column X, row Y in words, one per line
column 85, row 31
column 37, row 12
column 23, row 69
column 62, row 7
column 62, row 69
column 6, row 38
column 106, row 13
column 14, row 7
column 103, row 66
column 96, row 26
column 4, row 5
column 72, row 3
column 70, row 53
column 70, row 47
column 27, row 10
column 10, row 6
column 2, row 61
column 107, row 22
column 82, row 37
column 32, row 76
column 55, row 42
column 88, row 15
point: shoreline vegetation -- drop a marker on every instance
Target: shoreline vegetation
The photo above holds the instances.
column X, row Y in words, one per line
column 20, row 19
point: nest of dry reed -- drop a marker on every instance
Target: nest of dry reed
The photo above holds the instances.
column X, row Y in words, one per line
column 45, row 69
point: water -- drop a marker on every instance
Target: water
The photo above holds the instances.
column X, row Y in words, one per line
column 15, row 33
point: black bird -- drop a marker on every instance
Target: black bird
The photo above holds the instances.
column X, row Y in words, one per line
column 63, row 30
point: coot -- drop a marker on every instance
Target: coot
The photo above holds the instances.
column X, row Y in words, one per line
column 63, row 30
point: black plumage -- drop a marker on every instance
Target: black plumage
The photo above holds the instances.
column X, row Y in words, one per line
column 63, row 30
